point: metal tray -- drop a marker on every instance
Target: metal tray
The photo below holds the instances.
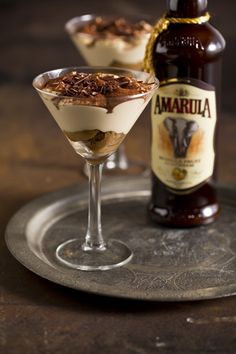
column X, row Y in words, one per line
column 168, row 264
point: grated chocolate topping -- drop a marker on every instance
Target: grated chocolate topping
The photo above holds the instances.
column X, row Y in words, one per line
column 82, row 85
column 94, row 89
column 110, row 28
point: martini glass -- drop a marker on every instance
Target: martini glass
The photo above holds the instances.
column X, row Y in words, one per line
column 116, row 52
column 95, row 133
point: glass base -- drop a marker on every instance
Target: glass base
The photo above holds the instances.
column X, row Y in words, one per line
column 115, row 254
column 130, row 168
column 112, row 169
column 119, row 164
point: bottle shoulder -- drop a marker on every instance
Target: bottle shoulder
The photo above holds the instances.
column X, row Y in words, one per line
column 204, row 39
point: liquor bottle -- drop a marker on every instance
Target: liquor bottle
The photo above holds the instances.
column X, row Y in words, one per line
column 185, row 52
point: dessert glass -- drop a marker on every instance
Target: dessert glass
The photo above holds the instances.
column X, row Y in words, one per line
column 77, row 119
column 115, row 52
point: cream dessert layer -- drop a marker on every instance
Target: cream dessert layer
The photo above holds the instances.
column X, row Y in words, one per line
column 111, row 42
column 72, row 117
column 95, row 101
column 112, row 52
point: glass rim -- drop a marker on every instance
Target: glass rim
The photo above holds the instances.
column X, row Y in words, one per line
column 155, row 81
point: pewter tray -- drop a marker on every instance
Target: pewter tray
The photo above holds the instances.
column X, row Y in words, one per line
column 168, row 264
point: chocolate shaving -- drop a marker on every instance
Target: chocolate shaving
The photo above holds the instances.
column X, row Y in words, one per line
column 94, row 89
column 107, row 28
column 81, row 85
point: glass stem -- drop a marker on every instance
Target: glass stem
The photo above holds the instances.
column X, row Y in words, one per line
column 94, row 239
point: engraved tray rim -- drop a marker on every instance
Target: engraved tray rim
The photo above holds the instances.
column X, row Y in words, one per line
column 15, row 237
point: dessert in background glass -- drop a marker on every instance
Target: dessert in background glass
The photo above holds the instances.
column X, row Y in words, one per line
column 116, row 42
column 95, row 108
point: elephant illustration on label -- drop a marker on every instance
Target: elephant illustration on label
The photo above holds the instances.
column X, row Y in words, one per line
column 180, row 132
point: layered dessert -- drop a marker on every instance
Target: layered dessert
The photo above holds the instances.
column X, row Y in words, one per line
column 110, row 42
column 95, row 110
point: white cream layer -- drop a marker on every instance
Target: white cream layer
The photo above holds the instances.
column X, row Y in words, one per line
column 105, row 51
column 72, row 117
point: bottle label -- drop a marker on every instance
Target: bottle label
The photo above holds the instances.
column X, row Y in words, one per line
column 183, row 124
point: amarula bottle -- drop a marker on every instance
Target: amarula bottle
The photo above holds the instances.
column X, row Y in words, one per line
column 185, row 52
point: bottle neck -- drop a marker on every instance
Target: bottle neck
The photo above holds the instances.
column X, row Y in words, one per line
column 186, row 8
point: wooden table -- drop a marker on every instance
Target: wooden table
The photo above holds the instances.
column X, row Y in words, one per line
column 37, row 316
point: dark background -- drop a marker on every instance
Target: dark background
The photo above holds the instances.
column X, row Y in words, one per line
column 33, row 37
column 37, row 316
